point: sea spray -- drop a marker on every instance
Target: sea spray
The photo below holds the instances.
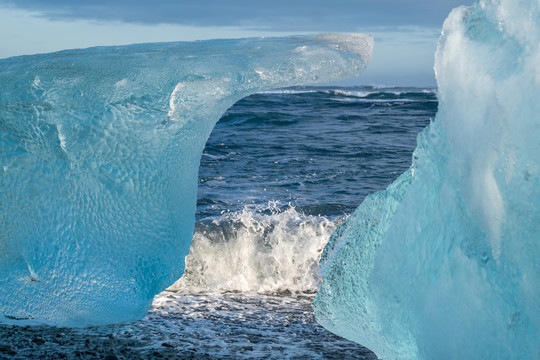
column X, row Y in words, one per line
column 259, row 249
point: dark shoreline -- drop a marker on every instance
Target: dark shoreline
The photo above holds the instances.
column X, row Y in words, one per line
column 191, row 326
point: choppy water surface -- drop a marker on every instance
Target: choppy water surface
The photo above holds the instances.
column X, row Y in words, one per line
column 321, row 149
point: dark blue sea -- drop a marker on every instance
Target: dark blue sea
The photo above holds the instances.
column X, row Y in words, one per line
column 280, row 171
column 319, row 149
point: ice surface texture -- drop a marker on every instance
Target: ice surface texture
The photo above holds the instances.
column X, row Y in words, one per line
column 99, row 158
column 444, row 263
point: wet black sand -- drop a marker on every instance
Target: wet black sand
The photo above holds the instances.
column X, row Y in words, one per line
column 187, row 326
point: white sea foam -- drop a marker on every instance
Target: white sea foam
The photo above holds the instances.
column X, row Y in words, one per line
column 360, row 100
column 360, row 92
column 257, row 250
column 289, row 91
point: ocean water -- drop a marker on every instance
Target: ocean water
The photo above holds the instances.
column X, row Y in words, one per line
column 280, row 171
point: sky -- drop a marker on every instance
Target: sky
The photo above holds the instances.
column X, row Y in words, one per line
column 405, row 31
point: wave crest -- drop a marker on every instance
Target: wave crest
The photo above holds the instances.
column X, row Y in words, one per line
column 259, row 249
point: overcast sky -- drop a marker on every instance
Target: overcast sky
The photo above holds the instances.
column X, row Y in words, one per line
column 405, row 31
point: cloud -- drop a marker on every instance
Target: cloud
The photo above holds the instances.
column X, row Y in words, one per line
column 276, row 15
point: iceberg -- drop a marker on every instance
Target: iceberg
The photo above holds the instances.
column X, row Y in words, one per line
column 443, row 264
column 99, row 157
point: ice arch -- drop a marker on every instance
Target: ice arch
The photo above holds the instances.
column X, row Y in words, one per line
column 99, row 155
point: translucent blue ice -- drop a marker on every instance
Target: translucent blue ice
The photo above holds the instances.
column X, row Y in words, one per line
column 99, row 156
column 444, row 263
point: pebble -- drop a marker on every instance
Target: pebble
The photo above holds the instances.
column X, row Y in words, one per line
column 5, row 348
column 38, row 341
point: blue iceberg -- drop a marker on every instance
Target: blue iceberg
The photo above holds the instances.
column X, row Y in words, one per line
column 443, row 264
column 99, row 157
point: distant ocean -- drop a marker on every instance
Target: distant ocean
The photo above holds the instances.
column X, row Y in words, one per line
column 280, row 171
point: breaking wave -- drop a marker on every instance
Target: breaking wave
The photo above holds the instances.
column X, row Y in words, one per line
column 258, row 249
